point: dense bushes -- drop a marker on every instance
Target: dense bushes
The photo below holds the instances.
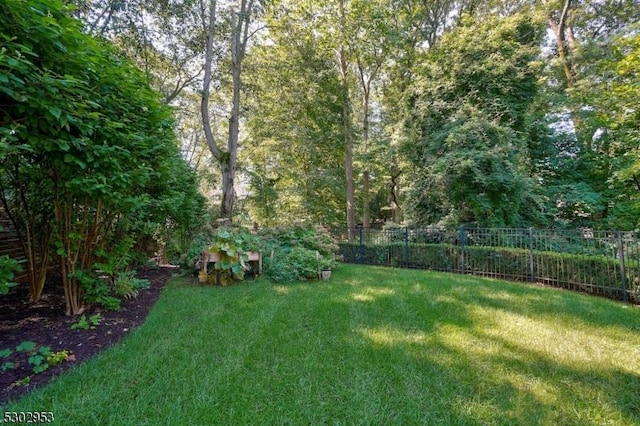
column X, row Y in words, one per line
column 90, row 162
column 297, row 252
column 289, row 254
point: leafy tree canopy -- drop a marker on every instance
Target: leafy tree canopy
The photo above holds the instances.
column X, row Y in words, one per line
column 471, row 100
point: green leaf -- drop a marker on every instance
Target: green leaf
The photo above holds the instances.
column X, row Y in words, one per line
column 8, row 366
column 70, row 158
column 5, row 353
column 40, row 368
column 26, row 346
column 63, row 145
column 36, row 359
column 55, row 111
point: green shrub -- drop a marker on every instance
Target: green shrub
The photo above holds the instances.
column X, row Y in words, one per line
column 304, row 261
column 8, row 268
column 278, row 268
column 297, row 252
column 127, row 286
column 394, row 232
column 189, row 260
column 232, row 244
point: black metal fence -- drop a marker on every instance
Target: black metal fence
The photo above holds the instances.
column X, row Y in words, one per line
column 605, row 263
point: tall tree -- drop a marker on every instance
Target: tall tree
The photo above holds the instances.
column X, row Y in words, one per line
column 294, row 150
column 580, row 174
column 240, row 22
column 469, row 122
column 369, row 46
column 417, row 27
column 343, row 66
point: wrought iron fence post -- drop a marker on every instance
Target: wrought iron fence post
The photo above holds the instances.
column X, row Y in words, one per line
column 532, row 265
column 462, row 239
column 406, row 246
column 623, row 271
column 360, row 244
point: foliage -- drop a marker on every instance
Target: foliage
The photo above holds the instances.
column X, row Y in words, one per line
column 108, row 291
column 613, row 93
column 55, row 358
column 127, row 286
column 305, row 261
column 393, row 231
column 591, row 123
column 467, row 127
column 8, row 268
column 231, row 245
column 95, row 289
column 87, row 146
column 295, row 161
column 553, row 112
column 112, row 261
column 190, row 258
column 40, row 358
column 85, row 323
column 297, row 252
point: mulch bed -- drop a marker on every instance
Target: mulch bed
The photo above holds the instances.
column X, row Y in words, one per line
column 45, row 324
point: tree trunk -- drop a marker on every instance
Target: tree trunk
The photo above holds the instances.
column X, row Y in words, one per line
column 206, row 84
column 73, row 295
column 566, row 44
column 365, row 80
column 348, row 140
column 239, row 27
column 558, row 25
column 366, row 198
column 227, row 159
column 228, row 191
column 396, row 212
column 348, row 137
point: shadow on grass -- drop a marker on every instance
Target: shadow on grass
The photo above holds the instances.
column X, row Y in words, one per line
column 475, row 376
column 440, row 348
column 370, row 346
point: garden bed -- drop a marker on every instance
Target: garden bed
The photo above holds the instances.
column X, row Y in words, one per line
column 46, row 325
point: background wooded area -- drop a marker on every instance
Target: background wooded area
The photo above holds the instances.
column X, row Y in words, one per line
column 495, row 113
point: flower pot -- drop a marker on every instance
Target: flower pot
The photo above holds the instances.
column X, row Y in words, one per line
column 325, row 275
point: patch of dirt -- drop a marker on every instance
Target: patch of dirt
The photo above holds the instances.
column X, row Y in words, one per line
column 46, row 325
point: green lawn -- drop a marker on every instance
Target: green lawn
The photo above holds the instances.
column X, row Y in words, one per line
column 370, row 346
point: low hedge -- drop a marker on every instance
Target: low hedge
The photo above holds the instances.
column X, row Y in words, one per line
column 592, row 274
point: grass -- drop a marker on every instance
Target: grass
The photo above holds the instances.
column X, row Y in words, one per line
column 370, row 346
